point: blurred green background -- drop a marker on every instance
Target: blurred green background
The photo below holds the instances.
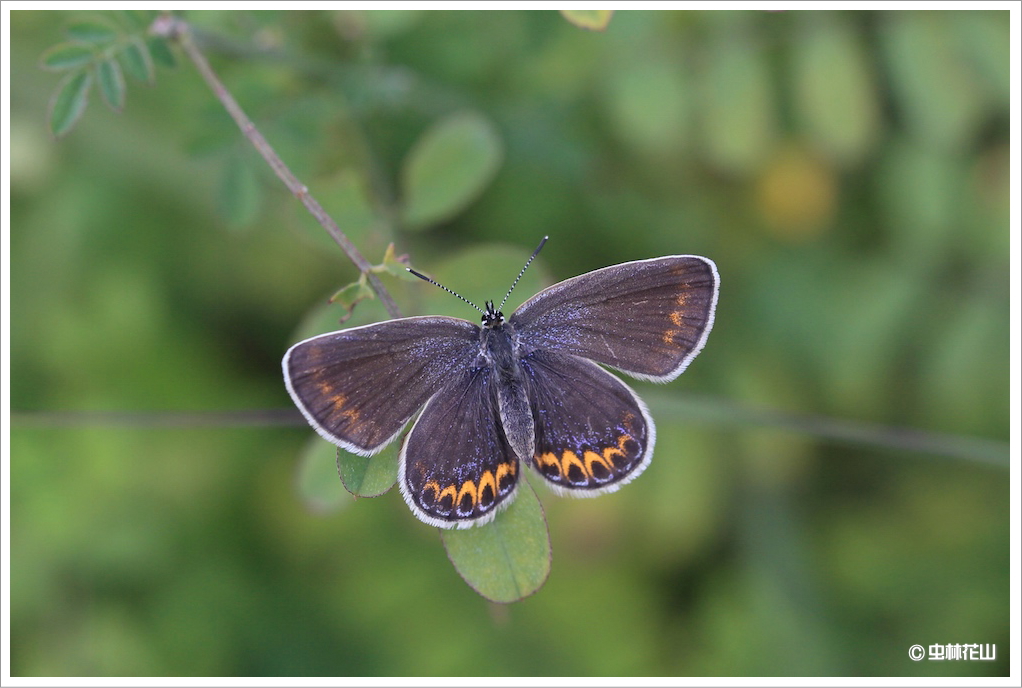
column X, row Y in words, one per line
column 847, row 171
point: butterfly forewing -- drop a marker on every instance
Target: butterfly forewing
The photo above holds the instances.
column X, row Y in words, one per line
column 456, row 465
column 359, row 387
column 593, row 434
column 648, row 318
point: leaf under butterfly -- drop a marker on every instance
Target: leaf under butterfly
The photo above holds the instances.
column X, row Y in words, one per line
column 509, row 558
column 369, row 476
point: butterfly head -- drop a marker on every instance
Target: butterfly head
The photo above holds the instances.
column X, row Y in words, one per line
column 492, row 317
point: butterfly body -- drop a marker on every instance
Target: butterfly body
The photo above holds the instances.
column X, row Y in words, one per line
column 526, row 390
column 502, row 353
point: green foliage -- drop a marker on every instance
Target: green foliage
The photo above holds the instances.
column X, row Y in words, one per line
column 347, row 297
column 66, row 56
column 94, row 31
column 138, row 62
column 111, row 83
column 96, row 53
column 69, row 101
column 448, row 168
column 368, row 476
column 848, row 172
column 161, row 52
column 836, row 93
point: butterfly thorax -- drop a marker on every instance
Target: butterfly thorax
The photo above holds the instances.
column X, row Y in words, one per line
column 500, row 356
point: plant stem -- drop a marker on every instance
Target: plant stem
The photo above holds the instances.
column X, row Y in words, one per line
column 173, row 28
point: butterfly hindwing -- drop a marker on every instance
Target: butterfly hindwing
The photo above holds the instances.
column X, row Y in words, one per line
column 647, row 318
column 593, row 433
column 456, row 467
column 359, row 387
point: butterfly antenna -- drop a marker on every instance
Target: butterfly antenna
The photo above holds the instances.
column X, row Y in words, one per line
column 513, row 284
column 449, row 291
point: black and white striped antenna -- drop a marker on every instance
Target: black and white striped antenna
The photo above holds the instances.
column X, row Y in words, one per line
column 529, row 261
column 491, row 315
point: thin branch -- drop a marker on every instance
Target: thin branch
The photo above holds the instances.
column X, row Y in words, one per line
column 676, row 408
column 173, row 28
column 716, row 411
column 159, row 419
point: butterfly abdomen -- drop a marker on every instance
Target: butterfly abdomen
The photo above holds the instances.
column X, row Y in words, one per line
column 512, row 395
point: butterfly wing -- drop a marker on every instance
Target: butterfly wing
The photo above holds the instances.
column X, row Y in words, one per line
column 593, row 433
column 647, row 318
column 359, row 387
column 456, row 466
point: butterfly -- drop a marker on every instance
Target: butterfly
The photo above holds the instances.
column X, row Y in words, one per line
column 528, row 389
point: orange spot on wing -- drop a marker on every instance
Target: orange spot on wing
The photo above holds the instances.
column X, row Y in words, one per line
column 503, row 471
column 610, row 452
column 449, row 491
column 468, row 488
column 677, row 317
column 487, row 479
column 592, row 457
column 548, row 459
column 569, row 459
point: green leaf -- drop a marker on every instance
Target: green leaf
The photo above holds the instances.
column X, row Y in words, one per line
column 91, row 31
column 650, row 102
column 69, row 101
column 350, row 295
column 161, row 52
column 369, row 476
column 508, row 558
column 835, row 93
column 448, row 167
column 931, row 84
column 111, row 83
column 66, row 56
column 594, row 20
column 394, row 264
column 137, row 62
column 738, row 112
column 317, row 482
